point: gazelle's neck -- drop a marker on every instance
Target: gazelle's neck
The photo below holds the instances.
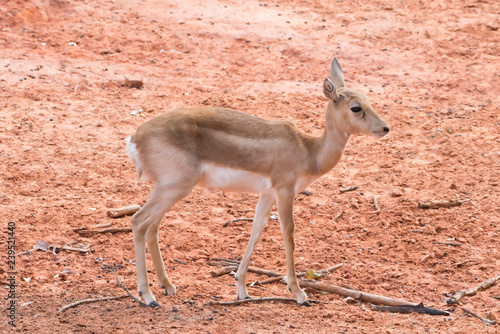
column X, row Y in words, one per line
column 332, row 143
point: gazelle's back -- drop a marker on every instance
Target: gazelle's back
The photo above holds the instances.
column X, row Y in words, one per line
column 212, row 135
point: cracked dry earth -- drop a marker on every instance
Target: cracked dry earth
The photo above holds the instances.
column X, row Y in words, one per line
column 430, row 68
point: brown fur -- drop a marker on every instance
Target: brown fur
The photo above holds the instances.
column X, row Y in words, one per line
column 229, row 138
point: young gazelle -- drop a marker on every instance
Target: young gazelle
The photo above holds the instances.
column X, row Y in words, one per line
column 234, row 151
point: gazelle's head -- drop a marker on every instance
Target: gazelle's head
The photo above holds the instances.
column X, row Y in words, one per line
column 350, row 110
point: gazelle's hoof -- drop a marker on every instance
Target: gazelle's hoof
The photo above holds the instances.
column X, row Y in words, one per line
column 306, row 303
column 243, row 298
column 149, row 298
column 154, row 304
column 242, row 294
column 170, row 290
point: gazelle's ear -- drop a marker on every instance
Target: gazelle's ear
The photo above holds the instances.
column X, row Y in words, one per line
column 336, row 74
column 329, row 90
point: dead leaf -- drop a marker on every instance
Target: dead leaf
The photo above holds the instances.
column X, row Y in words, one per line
column 311, row 274
column 42, row 245
column 68, row 271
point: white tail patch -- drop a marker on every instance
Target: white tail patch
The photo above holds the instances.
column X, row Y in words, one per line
column 134, row 157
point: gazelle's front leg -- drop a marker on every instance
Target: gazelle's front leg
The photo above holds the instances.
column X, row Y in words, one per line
column 285, row 211
column 259, row 222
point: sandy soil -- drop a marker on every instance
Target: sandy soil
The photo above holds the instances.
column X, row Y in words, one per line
column 431, row 68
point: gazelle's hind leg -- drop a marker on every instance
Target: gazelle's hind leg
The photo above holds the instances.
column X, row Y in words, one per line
column 259, row 222
column 154, row 248
column 145, row 224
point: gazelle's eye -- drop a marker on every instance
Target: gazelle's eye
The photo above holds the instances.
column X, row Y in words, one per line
column 356, row 109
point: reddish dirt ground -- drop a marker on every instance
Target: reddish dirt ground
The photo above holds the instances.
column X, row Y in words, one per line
column 431, row 69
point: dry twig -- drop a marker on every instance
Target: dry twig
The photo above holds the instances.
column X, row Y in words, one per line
column 223, row 271
column 255, row 270
column 92, row 227
column 351, row 188
column 237, row 220
column 323, row 271
column 106, row 230
column 83, row 248
column 260, row 300
column 456, row 296
column 464, row 262
column 221, row 259
column 425, row 257
column 338, row 215
column 25, row 252
column 267, row 281
column 124, row 211
column 483, row 320
column 441, row 204
column 179, row 261
column 227, row 263
column 88, row 301
column 454, row 244
column 375, row 203
column 366, row 297
column 219, row 263
column 358, row 295
column 136, row 299
column 103, row 225
column 332, row 268
column 420, row 308
column 261, row 271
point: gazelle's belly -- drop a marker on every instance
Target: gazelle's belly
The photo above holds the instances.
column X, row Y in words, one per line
column 229, row 179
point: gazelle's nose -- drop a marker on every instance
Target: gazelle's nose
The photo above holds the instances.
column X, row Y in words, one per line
column 386, row 129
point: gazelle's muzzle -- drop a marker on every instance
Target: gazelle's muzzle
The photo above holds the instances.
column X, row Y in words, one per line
column 383, row 131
